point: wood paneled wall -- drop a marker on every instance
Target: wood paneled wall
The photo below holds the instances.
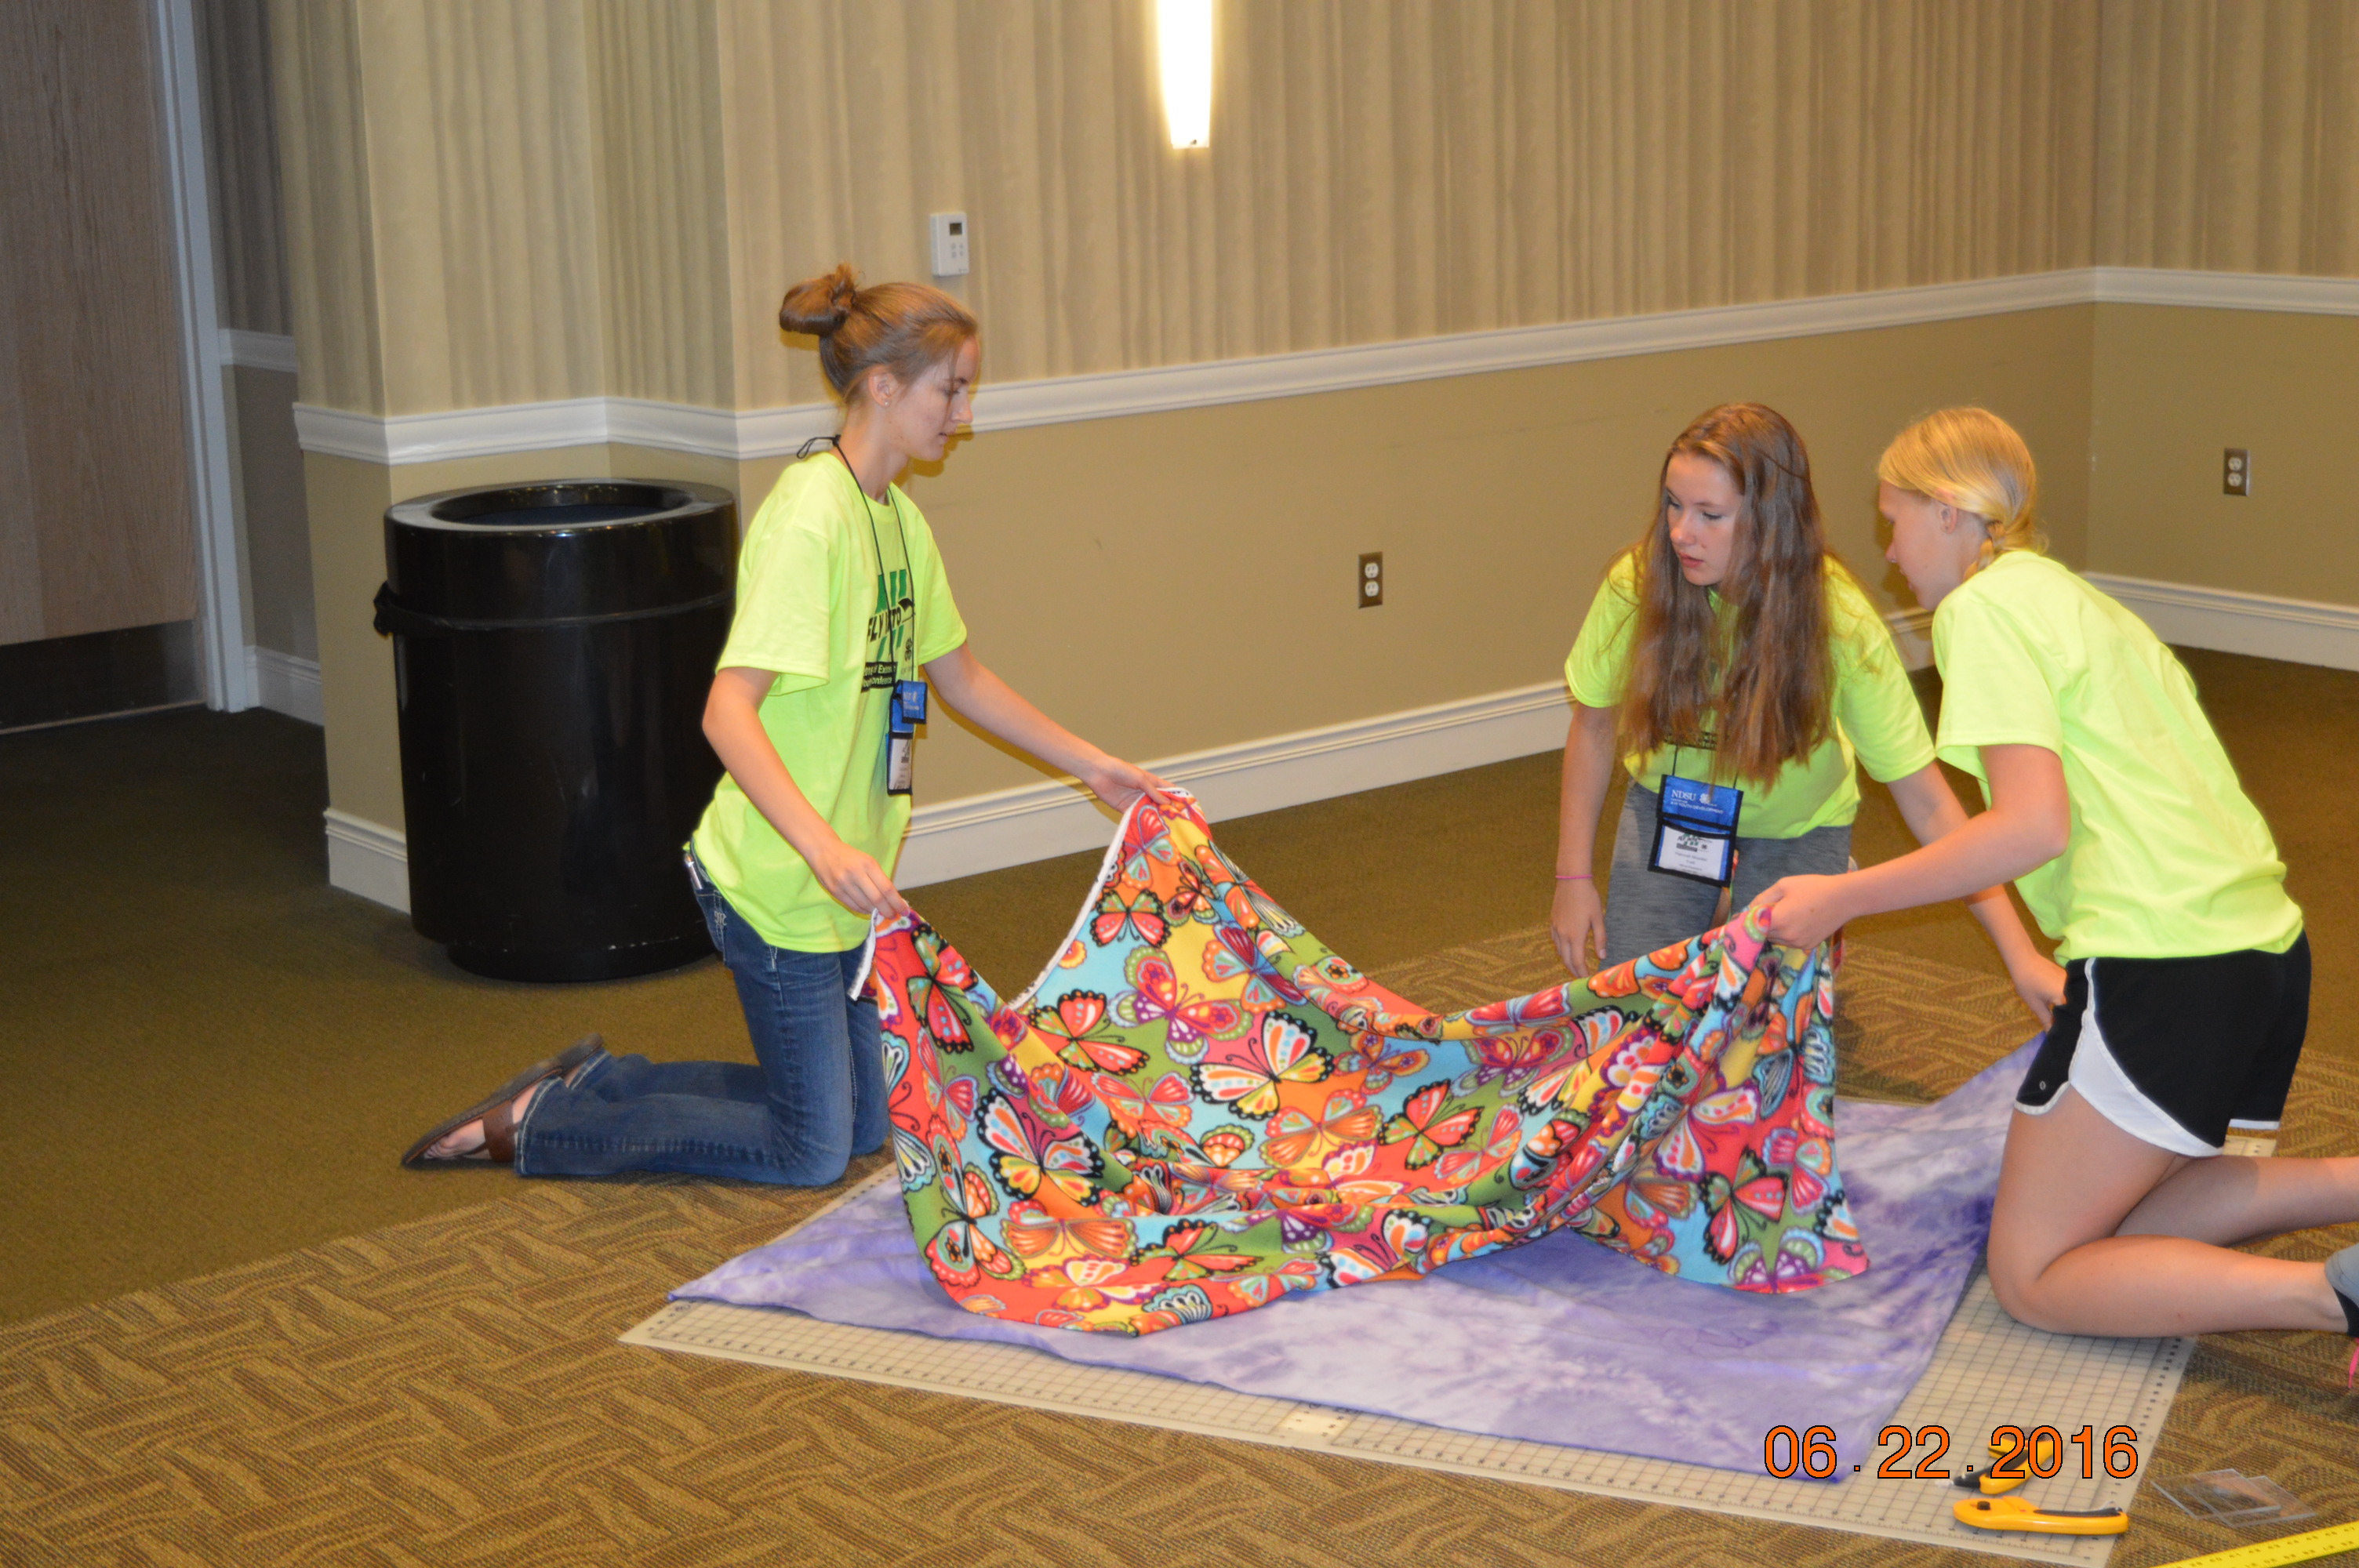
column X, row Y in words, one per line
column 95, row 528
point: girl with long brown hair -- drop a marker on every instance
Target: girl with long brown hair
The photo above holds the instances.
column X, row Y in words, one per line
column 1739, row 672
column 841, row 602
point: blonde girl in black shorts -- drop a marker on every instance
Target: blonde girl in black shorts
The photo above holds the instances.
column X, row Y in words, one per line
column 2187, row 988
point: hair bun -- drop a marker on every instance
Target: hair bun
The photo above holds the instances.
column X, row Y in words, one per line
column 820, row 305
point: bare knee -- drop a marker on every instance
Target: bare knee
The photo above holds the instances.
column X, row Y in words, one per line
column 2018, row 1286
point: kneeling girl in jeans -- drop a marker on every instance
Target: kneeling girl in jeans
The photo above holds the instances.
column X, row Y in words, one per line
column 841, row 602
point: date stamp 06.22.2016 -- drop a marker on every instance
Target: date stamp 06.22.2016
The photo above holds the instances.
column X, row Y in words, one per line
column 2016, row 1454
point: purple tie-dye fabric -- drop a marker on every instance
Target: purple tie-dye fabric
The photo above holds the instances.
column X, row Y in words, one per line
column 1561, row 1341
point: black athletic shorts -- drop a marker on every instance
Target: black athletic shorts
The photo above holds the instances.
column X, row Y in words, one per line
column 2177, row 1051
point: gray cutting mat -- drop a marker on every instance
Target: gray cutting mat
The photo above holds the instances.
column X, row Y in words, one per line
column 1988, row 1371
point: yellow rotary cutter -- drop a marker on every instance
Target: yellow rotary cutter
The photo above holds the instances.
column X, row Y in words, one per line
column 2014, row 1513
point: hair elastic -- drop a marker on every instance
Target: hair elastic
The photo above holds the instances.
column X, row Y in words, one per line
column 1574, row 876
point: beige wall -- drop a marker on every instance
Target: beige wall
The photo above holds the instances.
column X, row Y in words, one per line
column 1177, row 581
column 272, row 514
column 2228, row 141
column 522, row 200
column 501, row 202
column 1383, row 170
column 2229, row 136
column 666, row 227
column 316, row 86
column 2173, row 388
column 1174, row 581
column 480, row 167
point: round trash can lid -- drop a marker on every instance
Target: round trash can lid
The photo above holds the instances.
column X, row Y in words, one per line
column 544, row 551
column 547, row 505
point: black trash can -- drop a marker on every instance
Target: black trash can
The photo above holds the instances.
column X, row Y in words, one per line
column 553, row 644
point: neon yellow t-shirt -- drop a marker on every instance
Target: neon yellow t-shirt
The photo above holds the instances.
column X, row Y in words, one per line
column 1877, row 720
column 828, row 583
column 2166, row 858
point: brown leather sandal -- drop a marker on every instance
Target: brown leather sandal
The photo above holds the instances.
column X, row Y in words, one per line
column 499, row 1132
column 492, row 1111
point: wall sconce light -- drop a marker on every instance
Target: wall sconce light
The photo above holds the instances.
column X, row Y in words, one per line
column 1184, row 41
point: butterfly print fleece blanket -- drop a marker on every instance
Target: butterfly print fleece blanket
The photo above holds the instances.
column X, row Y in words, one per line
column 1199, row 1108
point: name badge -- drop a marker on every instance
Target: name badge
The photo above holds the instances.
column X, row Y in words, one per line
column 1695, row 830
column 905, row 711
column 908, row 705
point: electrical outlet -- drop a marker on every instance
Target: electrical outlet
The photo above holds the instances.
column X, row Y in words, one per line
column 2236, row 473
column 949, row 243
column 1372, row 580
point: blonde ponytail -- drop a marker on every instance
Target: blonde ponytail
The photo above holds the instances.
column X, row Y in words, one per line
column 1972, row 460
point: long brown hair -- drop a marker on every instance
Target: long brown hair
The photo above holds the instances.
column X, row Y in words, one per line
column 908, row 327
column 1766, row 679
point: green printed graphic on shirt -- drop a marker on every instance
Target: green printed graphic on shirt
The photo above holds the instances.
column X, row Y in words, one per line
column 836, row 593
column 889, row 623
column 1877, row 720
column 2166, row 857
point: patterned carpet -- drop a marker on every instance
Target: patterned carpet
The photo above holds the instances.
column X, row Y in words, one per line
column 450, row 1392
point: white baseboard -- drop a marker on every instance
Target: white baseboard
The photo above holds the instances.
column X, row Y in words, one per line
column 369, row 859
column 285, row 684
column 2299, row 630
column 1032, row 822
column 1011, row 826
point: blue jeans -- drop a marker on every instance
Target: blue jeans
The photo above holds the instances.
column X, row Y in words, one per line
column 816, row 1099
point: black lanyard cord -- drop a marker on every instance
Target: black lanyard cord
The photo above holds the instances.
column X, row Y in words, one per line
column 875, row 540
column 1708, row 785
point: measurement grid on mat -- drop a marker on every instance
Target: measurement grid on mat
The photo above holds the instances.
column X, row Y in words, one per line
column 1988, row 1371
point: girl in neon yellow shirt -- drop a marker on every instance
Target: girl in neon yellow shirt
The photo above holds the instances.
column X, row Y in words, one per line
column 2115, row 811
column 1730, row 648
column 841, row 601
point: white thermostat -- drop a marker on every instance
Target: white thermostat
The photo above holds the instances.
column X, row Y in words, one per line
column 949, row 244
